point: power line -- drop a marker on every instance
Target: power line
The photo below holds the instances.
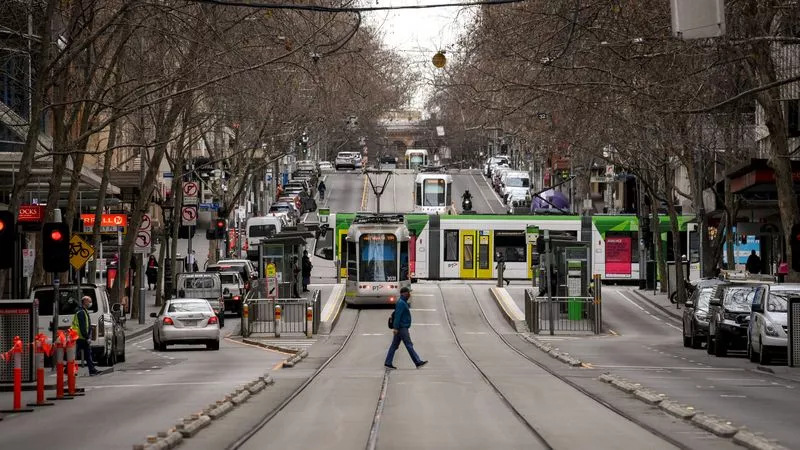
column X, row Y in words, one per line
column 331, row 9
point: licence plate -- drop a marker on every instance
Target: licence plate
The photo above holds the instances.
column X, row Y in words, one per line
column 190, row 323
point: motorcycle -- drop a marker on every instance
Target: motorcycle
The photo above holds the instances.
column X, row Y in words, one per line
column 466, row 204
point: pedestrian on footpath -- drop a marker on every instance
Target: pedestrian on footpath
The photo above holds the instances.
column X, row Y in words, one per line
column 151, row 272
column 82, row 324
column 295, row 274
column 753, row 264
column 306, row 266
column 402, row 322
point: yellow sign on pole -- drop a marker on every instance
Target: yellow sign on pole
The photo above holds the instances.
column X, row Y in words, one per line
column 79, row 251
column 271, row 270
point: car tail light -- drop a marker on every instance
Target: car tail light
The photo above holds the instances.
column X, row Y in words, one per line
column 212, row 320
column 101, row 329
column 237, row 298
column 168, row 321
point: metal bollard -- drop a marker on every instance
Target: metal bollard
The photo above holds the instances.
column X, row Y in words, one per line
column 40, row 348
column 501, row 268
column 309, row 321
column 72, row 369
column 245, row 320
column 15, row 354
column 61, row 343
column 277, row 321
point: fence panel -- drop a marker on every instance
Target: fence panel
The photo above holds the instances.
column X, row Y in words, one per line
column 293, row 314
column 561, row 314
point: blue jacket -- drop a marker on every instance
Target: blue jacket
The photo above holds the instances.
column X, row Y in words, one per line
column 402, row 314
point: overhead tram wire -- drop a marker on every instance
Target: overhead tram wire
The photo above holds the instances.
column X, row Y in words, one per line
column 331, row 9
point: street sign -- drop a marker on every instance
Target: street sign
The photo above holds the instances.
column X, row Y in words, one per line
column 271, row 270
column 147, row 223
column 189, row 216
column 28, row 259
column 190, row 192
column 79, row 251
column 143, row 240
column 272, row 281
column 110, row 223
column 532, row 233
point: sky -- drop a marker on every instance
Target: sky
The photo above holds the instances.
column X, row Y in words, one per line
column 417, row 34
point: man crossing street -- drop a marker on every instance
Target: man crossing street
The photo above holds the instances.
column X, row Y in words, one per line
column 402, row 322
column 82, row 324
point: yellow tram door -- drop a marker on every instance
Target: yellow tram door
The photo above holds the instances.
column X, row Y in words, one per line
column 485, row 255
column 342, row 253
column 467, row 238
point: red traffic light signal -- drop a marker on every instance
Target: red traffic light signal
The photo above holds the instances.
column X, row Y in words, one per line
column 55, row 247
column 220, row 228
column 7, row 238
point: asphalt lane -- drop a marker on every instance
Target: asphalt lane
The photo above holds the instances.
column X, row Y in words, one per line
column 648, row 349
column 344, row 191
column 397, row 195
column 144, row 395
column 484, row 199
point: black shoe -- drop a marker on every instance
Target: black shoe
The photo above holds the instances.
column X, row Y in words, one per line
column 96, row 372
column 421, row 364
column 389, row 366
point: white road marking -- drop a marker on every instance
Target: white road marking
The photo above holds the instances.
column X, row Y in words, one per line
column 732, row 396
column 422, row 295
column 373, row 334
column 155, row 385
column 475, row 332
column 646, row 312
column 480, row 191
column 424, row 309
column 721, row 369
column 142, row 341
column 427, row 324
column 732, row 379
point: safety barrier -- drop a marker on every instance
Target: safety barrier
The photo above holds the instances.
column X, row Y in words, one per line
column 563, row 314
column 282, row 315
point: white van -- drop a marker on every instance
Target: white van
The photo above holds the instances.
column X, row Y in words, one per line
column 515, row 186
column 767, row 333
column 261, row 227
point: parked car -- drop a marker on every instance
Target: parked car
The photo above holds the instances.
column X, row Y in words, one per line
column 729, row 316
column 289, row 208
column 695, row 313
column 107, row 332
column 768, row 330
column 345, row 160
column 243, row 266
column 186, row 321
column 325, row 165
column 516, row 186
column 233, row 291
column 205, row 285
column 262, row 227
column 493, row 162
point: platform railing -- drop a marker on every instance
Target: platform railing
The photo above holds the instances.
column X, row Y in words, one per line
column 261, row 315
column 562, row 314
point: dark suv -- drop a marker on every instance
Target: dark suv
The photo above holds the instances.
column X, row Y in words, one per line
column 695, row 315
column 729, row 316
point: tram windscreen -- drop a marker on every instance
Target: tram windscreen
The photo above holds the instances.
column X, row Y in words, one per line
column 378, row 262
column 433, row 193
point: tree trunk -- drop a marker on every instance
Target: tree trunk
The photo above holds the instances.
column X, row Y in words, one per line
column 101, row 195
column 162, row 252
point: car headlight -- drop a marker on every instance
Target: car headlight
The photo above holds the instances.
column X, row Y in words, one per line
column 701, row 317
column 770, row 329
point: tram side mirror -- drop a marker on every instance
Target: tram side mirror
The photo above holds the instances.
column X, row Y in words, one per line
column 758, row 308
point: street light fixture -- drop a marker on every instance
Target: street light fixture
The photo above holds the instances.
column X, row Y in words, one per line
column 166, row 210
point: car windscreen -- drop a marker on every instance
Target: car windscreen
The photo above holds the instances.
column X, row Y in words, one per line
column 779, row 299
column 229, row 278
column 517, row 182
column 189, row 307
column 261, row 230
column 279, row 208
column 703, row 298
column 68, row 303
column 739, row 299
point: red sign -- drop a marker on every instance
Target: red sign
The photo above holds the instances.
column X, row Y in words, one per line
column 108, row 220
column 31, row 214
column 618, row 256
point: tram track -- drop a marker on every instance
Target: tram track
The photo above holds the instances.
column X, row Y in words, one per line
column 239, row 443
column 562, row 378
column 487, row 380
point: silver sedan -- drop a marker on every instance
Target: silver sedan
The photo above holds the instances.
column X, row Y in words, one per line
column 186, row 321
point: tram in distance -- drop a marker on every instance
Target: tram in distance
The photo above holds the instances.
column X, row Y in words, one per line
column 433, row 192
column 376, row 259
column 444, row 247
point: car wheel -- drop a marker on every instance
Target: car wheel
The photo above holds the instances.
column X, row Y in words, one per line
column 110, row 358
column 687, row 340
column 222, row 320
column 696, row 342
column 752, row 355
column 720, row 347
column 709, row 345
column 156, row 346
column 763, row 356
column 213, row 345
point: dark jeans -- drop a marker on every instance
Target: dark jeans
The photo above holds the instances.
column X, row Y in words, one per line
column 402, row 335
column 82, row 347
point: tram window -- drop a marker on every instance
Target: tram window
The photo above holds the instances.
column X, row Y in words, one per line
column 451, row 245
column 351, row 251
column 434, row 193
column 404, row 260
column 352, row 271
column 469, row 253
column 511, row 244
column 483, row 255
column 448, row 196
column 378, row 258
column 418, row 199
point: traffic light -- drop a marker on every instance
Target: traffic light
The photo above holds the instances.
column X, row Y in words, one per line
column 55, row 247
column 796, row 247
column 645, row 232
column 220, row 227
column 540, row 245
column 7, row 237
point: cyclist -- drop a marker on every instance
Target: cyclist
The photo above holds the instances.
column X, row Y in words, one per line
column 321, row 188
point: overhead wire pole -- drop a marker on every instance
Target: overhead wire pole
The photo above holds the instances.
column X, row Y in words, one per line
column 378, row 190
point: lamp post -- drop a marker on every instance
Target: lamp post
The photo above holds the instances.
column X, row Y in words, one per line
column 167, row 209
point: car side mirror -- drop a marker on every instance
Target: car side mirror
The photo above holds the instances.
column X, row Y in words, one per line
column 116, row 308
column 758, row 308
column 154, row 315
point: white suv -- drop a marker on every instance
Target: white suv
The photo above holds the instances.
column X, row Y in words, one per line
column 767, row 333
column 346, row 159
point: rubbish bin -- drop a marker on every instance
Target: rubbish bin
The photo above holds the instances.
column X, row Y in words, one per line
column 574, row 309
column 651, row 275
